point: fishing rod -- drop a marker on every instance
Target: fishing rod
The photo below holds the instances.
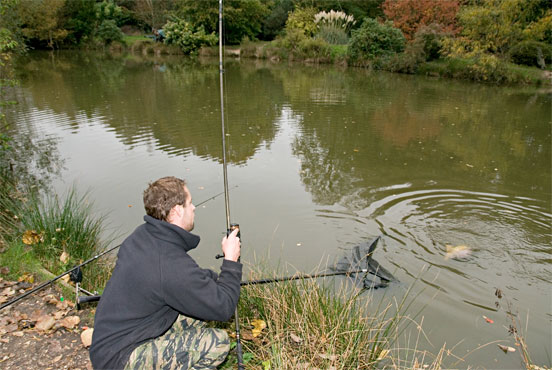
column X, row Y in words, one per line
column 75, row 269
column 229, row 226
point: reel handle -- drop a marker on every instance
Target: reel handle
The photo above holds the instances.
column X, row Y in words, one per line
column 228, row 231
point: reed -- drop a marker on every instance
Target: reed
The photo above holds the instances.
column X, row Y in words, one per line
column 312, row 325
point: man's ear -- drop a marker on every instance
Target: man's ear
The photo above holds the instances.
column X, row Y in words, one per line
column 174, row 212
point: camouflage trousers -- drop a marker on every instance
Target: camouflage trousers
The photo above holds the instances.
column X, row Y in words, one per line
column 188, row 344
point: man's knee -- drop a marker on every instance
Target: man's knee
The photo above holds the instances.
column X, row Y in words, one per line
column 212, row 348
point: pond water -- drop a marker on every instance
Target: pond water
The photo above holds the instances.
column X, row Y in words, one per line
column 321, row 159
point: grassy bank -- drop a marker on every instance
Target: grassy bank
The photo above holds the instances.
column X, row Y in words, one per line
column 495, row 71
column 46, row 236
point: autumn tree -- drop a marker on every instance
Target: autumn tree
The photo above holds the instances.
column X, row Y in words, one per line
column 41, row 21
column 497, row 25
column 410, row 15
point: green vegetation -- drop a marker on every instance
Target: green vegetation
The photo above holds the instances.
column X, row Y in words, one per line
column 488, row 37
column 306, row 324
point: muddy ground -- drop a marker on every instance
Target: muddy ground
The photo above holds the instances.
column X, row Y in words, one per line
column 43, row 330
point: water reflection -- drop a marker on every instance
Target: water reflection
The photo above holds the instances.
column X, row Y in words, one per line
column 171, row 104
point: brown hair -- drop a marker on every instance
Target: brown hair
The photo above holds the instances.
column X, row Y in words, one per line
column 162, row 195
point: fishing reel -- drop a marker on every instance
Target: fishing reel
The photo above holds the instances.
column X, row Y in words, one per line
column 228, row 232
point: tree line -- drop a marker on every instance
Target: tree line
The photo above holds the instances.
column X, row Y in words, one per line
column 396, row 35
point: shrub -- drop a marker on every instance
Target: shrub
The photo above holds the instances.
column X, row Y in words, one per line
column 315, row 48
column 373, row 39
column 531, row 53
column 182, row 34
column 302, row 19
column 109, row 32
column 429, row 39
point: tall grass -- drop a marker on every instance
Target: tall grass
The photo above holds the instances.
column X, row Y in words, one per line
column 36, row 232
column 66, row 225
column 310, row 325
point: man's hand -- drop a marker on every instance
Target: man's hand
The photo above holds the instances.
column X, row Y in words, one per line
column 231, row 246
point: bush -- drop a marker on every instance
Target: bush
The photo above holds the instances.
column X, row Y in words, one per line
column 109, row 32
column 531, row 53
column 429, row 39
column 302, row 20
column 373, row 40
column 182, row 34
column 315, row 49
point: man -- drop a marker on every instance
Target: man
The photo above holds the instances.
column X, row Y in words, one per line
column 153, row 310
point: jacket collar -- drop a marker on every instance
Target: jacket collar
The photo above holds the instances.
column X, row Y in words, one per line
column 171, row 233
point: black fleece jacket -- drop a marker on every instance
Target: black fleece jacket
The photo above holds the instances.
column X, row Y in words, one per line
column 153, row 281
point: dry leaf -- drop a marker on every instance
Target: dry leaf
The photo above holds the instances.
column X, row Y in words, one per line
column 246, row 335
column 4, row 270
column 59, row 314
column 35, row 315
column 86, row 337
column 490, row 321
column 295, row 338
column 64, row 257
column 57, row 358
column 31, row 237
column 70, row 322
column 66, row 278
column 325, row 356
column 458, row 252
column 258, row 326
column 45, row 322
column 506, row 349
column 17, row 333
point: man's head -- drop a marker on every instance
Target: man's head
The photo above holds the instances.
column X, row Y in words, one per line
column 169, row 199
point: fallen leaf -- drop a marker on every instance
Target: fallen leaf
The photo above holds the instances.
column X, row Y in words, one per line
column 458, row 252
column 31, row 237
column 295, row 338
column 64, row 257
column 498, row 293
column 35, row 315
column 325, row 356
column 66, row 278
column 258, row 326
column 246, row 335
column 59, row 314
column 45, row 322
column 506, row 349
column 70, row 322
column 18, row 333
column 488, row 320
column 11, row 328
column 57, row 358
column 4, row 270
column 86, row 337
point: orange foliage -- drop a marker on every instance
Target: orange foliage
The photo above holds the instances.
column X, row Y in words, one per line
column 409, row 15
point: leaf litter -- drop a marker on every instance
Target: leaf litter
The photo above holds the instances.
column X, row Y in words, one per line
column 42, row 331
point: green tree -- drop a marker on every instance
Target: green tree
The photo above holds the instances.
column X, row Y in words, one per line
column 41, row 22
column 80, row 20
column 242, row 18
